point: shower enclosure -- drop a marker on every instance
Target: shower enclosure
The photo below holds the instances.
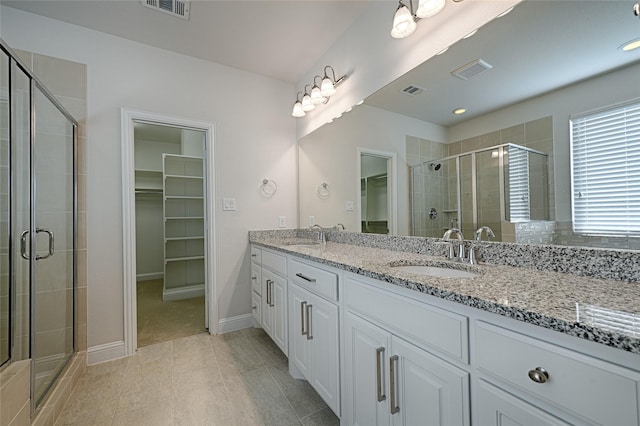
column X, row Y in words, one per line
column 496, row 187
column 38, row 201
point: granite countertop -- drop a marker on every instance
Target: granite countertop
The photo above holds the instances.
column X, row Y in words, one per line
column 606, row 311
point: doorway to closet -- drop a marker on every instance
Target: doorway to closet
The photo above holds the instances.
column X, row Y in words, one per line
column 168, row 178
column 170, row 232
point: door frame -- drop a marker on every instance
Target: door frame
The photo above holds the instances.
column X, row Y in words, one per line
column 128, row 117
column 392, row 185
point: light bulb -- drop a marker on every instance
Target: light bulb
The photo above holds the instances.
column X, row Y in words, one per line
column 297, row 110
column 403, row 23
column 326, row 88
column 316, row 96
column 428, row 8
column 307, row 105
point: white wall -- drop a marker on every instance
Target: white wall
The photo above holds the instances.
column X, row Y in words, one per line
column 598, row 92
column 330, row 155
column 252, row 141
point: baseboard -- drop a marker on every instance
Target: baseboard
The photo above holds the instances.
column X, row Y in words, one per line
column 239, row 322
column 150, row 276
column 190, row 292
column 106, row 352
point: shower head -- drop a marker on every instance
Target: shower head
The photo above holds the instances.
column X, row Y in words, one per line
column 435, row 166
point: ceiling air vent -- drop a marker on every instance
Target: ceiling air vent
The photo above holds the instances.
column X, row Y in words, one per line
column 178, row 8
column 412, row 90
column 471, row 69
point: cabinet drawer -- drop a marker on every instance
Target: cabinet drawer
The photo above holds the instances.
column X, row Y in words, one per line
column 256, row 278
column 586, row 387
column 422, row 324
column 316, row 280
column 276, row 262
column 256, row 309
column 256, row 255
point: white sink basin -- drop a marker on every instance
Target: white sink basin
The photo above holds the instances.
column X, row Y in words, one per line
column 435, row 271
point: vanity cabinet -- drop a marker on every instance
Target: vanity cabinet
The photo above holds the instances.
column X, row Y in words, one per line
column 390, row 381
column 273, row 298
column 314, row 333
column 586, row 388
column 256, row 282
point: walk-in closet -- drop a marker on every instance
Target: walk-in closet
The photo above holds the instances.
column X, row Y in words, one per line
column 170, row 231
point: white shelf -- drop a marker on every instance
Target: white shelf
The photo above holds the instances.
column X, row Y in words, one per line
column 182, row 259
column 183, row 197
column 184, row 218
column 183, row 177
column 201, row 237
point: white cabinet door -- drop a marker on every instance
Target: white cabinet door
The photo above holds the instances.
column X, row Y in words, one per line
column 425, row 390
column 323, row 335
column 495, row 407
column 299, row 350
column 279, row 308
column 366, row 373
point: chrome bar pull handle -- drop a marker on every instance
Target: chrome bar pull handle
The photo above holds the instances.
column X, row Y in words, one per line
column 302, row 305
column 23, row 244
column 304, row 277
column 309, row 336
column 393, row 383
column 272, row 303
column 49, row 232
column 379, row 374
column 268, row 292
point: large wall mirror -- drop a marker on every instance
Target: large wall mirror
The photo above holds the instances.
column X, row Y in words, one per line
column 505, row 162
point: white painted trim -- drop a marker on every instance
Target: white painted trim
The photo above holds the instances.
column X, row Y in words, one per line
column 181, row 293
column 150, row 276
column 239, row 322
column 392, row 186
column 106, row 352
column 128, row 218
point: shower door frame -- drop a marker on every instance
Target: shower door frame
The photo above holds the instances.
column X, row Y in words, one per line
column 128, row 117
column 35, row 83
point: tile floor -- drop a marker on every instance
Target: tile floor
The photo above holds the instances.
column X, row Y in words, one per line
column 238, row 378
column 160, row 321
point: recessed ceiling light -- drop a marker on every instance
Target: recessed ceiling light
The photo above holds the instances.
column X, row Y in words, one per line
column 630, row 45
column 471, row 34
column 459, row 111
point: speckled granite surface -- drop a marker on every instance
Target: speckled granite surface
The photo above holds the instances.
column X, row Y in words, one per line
column 608, row 309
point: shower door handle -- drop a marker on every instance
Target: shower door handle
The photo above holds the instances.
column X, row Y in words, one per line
column 23, row 244
column 49, row 232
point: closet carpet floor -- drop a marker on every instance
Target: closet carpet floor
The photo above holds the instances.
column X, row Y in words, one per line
column 160, row 321
column 234, row 379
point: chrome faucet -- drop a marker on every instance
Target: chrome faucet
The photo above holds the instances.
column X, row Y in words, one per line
column 460, row 238
column 338, row 226
column 321, row 237
column 487, row 230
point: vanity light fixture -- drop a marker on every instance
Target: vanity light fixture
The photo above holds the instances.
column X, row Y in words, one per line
column 297, row 107
column 406, row 17
column 318, row 94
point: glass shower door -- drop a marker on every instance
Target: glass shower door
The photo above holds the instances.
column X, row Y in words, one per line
column 52, row 239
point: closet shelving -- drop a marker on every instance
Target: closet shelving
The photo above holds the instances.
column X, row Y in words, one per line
column 183, row 209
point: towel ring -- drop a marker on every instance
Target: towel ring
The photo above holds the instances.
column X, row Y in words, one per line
column 269, row 187
column 323, row 191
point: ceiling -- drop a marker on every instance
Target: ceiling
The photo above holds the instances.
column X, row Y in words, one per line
column 278, row 39
column 538, row 47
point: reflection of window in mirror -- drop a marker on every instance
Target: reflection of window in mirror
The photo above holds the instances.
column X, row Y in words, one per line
column 375, row 192
column 605, row 172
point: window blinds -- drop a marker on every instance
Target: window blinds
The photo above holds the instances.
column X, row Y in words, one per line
column 519, row 194
column 605, row 157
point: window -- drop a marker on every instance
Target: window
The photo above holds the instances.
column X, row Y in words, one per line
column 605, row 173
column 519, row 209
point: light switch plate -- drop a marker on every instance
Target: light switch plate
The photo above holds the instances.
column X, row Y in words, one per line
column 229, row 204
column 312, row 220
column 349, row 206
column 282, row 222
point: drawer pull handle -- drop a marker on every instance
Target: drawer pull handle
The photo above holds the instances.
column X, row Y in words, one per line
column 253, row 308
column 393, row 384
column 254, row 255
column 379, row 374
column 311, row 280
column 539, row 375
column 254, row 278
